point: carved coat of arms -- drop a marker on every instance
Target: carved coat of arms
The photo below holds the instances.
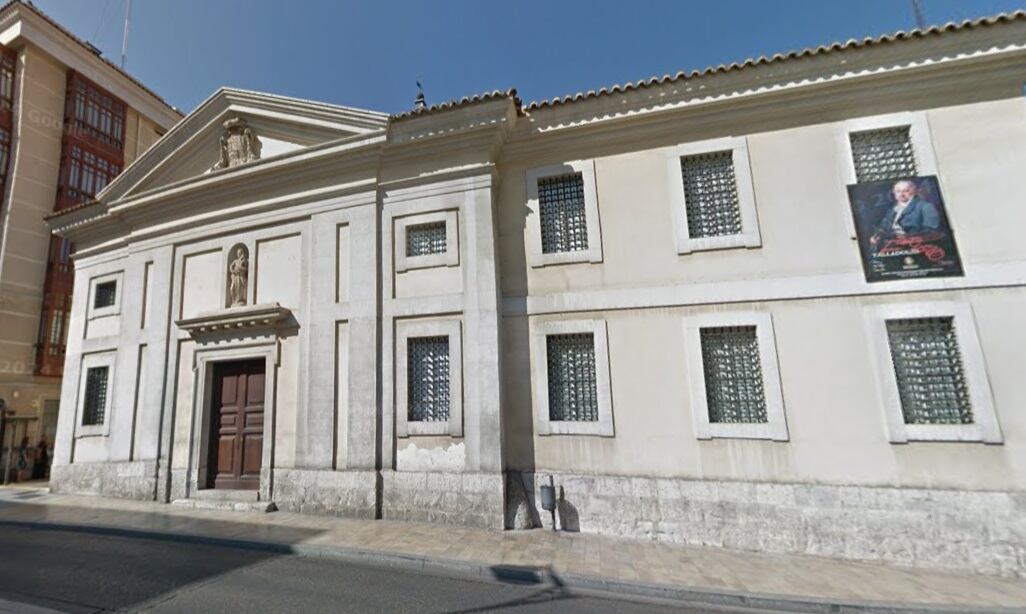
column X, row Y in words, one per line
column 238, row 144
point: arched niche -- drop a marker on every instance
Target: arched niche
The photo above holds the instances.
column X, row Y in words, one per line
column 237, row 276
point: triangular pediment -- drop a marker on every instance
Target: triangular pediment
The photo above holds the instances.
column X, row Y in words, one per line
column 193, row 147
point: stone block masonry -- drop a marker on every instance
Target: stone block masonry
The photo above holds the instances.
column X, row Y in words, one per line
column 124, row 480
column 982, row 532
column 332, row 493
column 467, row 499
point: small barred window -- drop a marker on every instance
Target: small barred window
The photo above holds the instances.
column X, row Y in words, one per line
column 428, row 378
column 710, row 195
column 733, row 375
column 884, row 154
column 425, row 239
column 564, row 223
column 95, row 396
column 928, row 368
column 106, row 293
column 573, row 391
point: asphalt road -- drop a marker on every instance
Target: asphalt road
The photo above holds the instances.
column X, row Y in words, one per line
column 73, row 571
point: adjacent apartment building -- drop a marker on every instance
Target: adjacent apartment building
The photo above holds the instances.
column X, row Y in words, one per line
column 778, row 305
column 69, row 122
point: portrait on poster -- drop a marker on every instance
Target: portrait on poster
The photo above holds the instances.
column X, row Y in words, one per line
column 903, row 230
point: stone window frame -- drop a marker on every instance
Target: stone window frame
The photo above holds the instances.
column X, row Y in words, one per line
column 919, row 134
column 451, row 328
column 985, row 427
column 92, row 361
column 115, row 309
column 604, row 426
column 775, row 427
column 536, row 257
column 750, row 236
column 449, row 258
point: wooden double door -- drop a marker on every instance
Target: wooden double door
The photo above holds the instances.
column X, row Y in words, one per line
column 236, row 425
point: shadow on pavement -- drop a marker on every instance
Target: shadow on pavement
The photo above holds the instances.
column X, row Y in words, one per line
column 52, row 557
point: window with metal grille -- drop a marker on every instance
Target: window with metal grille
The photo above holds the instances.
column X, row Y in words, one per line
column 564, row 222
column 928, row 367
column 573, row 393
column 883, row 154
column 710, row 195
column 733, row 375
column 425, row 239
column 428, row 378
column 95, row 113
column 95, row 396
column 105, row 295
column 88, row 173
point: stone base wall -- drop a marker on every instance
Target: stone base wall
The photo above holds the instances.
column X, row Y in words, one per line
column 325, row 492
column 124, row 480
column 983, row 532
column 467, row 499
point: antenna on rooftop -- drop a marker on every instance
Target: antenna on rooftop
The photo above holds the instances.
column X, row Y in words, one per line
column 124, row 38
column 917, row 8
column 420, row 102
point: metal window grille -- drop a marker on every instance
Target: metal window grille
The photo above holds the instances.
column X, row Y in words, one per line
column 573, row 393
column 710, row 195
column 733, row 375
column 425, row 239
column 105, row 294
column 564, row 223
column 928, row 367
column 95, row 396
column 428, row 379
column 883, row 154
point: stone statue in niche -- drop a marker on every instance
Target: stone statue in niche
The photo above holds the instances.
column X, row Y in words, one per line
column 238, row 144
column 238, row 274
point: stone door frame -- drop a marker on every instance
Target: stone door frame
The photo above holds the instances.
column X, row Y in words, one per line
column 206, row 356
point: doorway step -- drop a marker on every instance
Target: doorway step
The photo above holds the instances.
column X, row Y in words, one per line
column 226, row 500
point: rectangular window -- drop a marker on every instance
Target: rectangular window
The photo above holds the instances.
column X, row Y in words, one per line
column 95, row 114
column 733, row 375
column 87, row 174
column 710, row 195
column 95, row 403
column 573, row 394
column 105, row 295
column 564, row 223
column 425, row 239
column 8, row 59
column 928, row 368
column 428, row 387
column 883, row 154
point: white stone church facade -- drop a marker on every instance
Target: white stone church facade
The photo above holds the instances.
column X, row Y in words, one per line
column 654, row 294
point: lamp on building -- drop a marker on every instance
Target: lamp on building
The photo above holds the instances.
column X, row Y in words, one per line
column 548, row 499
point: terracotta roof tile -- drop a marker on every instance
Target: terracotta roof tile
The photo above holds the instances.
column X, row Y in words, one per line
column 462, row 102
column 71, row 209
column 791, row 55
column 87, row 46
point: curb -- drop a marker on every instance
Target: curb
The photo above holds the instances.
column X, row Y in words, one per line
column 691, row 596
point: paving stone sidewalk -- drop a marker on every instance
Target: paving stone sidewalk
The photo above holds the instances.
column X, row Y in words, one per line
column 621, row 563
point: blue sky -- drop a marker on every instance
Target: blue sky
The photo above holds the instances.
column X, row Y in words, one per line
column 369, row 53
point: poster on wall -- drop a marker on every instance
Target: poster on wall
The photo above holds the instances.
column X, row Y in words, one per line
column 902, row 229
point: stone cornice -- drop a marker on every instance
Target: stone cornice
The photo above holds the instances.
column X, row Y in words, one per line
column 251, row 319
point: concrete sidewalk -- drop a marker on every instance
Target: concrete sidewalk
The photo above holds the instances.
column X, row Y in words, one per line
column 696, row 574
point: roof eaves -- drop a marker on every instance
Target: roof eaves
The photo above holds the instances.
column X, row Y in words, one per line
column 88, row 47
column 779, row 57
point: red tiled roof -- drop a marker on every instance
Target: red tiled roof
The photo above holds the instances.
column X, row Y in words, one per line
column 791, row 55
column 87, row 46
